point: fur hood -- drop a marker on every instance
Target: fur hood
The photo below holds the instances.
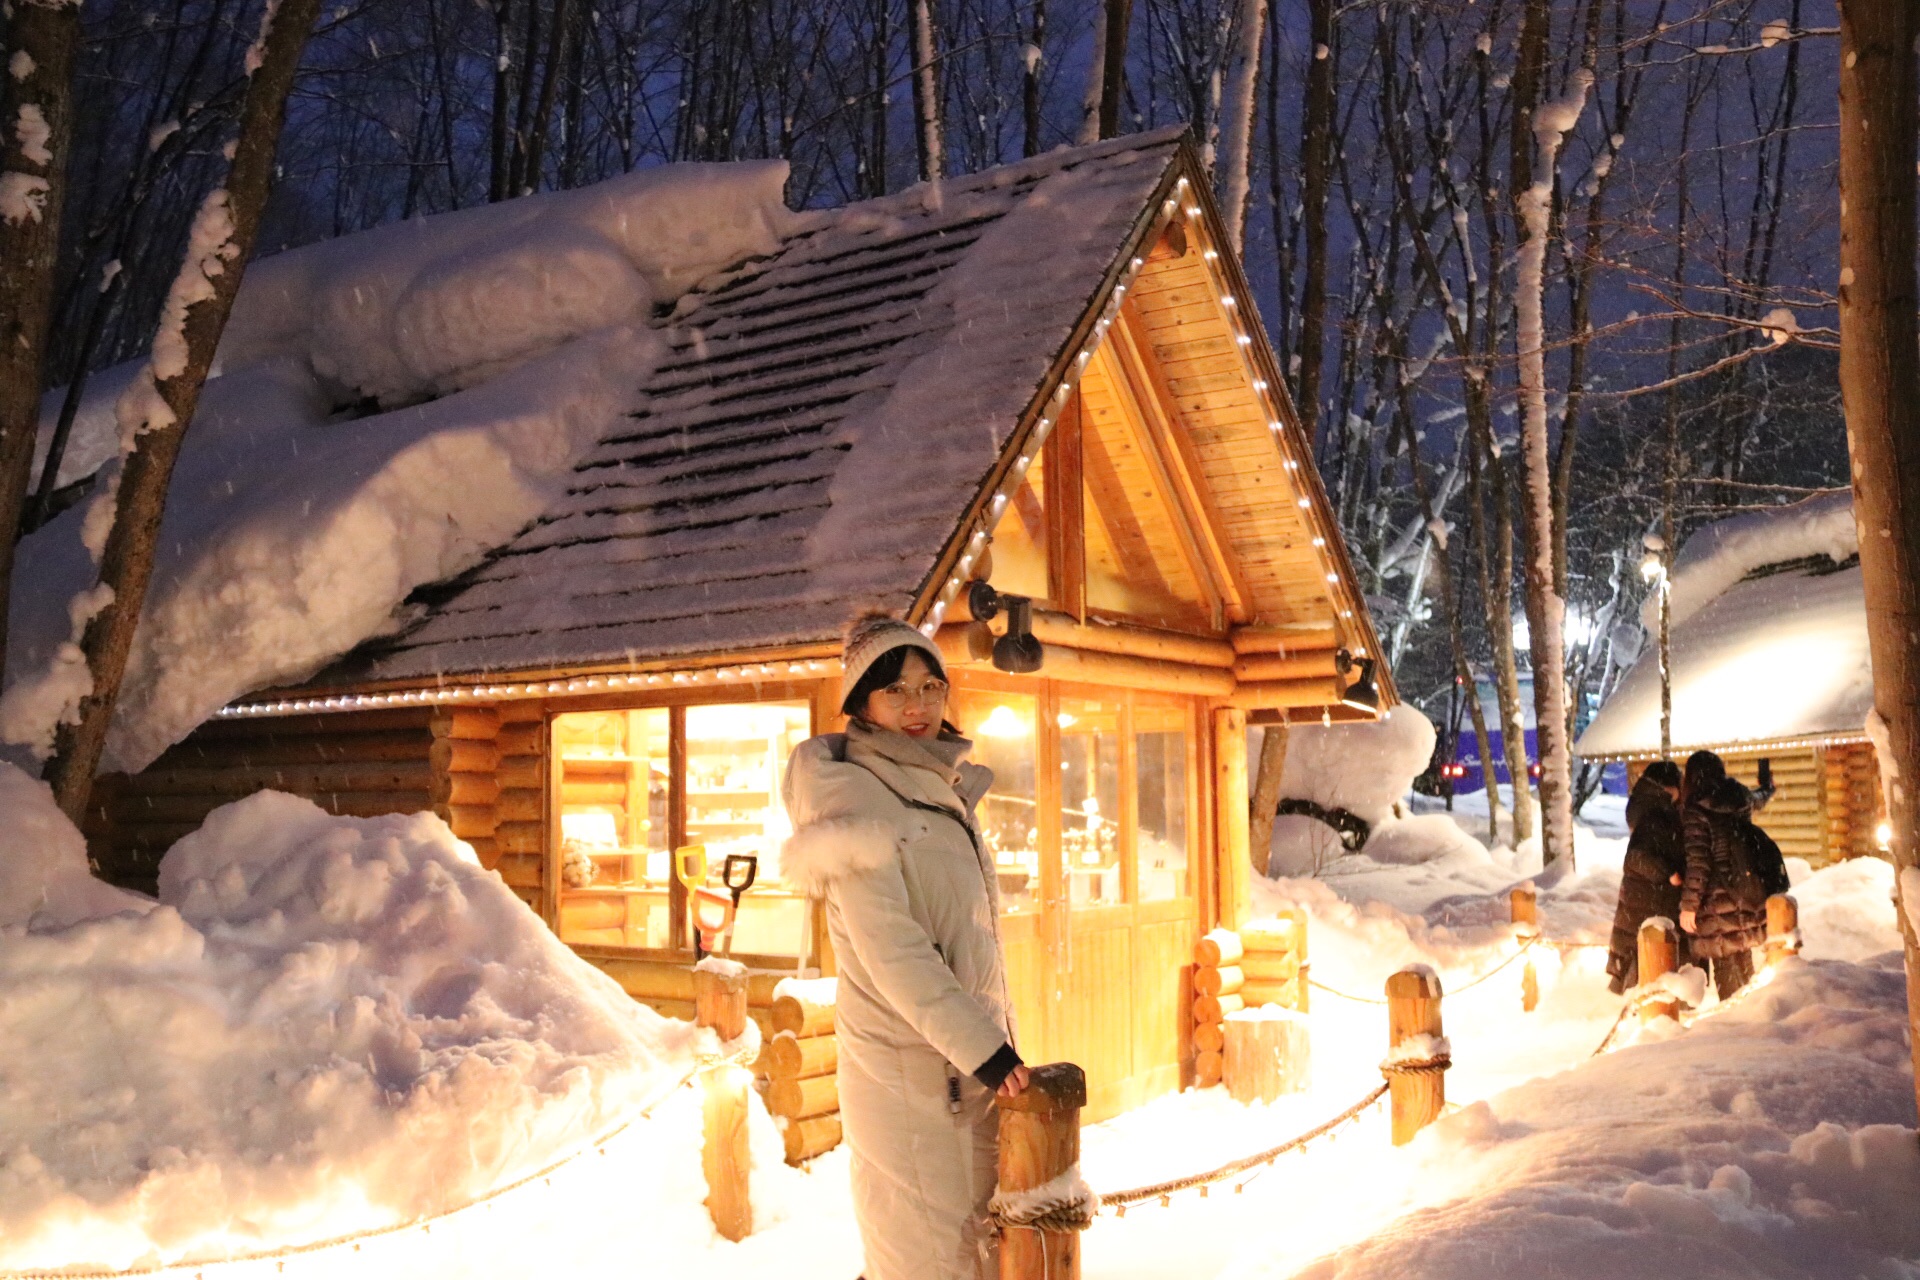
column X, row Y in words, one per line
column 823, row 851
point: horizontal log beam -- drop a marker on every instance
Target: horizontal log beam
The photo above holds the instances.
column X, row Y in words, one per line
column 478, row 724
column 521, row 870
column 529, row 772
column 808, row 1138
column 802, row 1099
column 668, row 980
column 458, row 755
column 318, row 723
column 1255, row 668
column 524, row 739
column 1286, row 694
column 1128, row 641
column 386, row 744
column 521, row 837
column 466, row 788
column 791, row 1058
column 414, row 777
column 1283, row 640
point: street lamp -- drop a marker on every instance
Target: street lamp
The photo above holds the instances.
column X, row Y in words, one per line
column 1653, row 567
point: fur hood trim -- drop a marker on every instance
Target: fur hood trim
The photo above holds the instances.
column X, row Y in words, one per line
column 823, row 851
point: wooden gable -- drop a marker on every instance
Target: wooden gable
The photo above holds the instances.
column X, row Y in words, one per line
column 1167, row 467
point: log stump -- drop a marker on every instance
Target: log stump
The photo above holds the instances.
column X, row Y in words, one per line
column 1039, row 1142
column 1268, row 1053
column 1783, row 927
column 1659, row 943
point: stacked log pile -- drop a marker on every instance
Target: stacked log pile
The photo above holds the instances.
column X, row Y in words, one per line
column 519, row 838
column 800, row 1065
column 1263, row 963
column 465, row 788
column 357, row 763
column 1796, row 817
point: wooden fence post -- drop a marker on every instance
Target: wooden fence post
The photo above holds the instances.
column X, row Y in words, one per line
column 720, row 1002
column 1418, row 1054
column 1659, row 942
column 1523, row 907
column 1039, row 1142
column 1783, row 927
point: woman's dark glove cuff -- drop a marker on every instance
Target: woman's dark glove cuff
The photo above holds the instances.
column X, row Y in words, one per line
column 997, row 1068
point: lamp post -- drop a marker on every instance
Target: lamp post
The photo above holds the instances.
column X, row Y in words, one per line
column 1653, row 567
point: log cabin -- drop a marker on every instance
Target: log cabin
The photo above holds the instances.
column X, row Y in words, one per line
column 1047, row 378
column 1769, row 662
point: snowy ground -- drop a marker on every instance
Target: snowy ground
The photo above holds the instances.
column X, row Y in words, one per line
column 281, row 1053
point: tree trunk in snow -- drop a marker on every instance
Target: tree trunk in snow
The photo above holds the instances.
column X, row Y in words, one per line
column 1316, row 163
column 36, row 90
column 1547, row 123
column 1106, row 72
column 1880, row 388
column 926, row 90
column 1237, row 119
column 1266, row 795
column 191, row 322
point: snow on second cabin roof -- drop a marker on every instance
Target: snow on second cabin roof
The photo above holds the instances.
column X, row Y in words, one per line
column 1769, row 638
column 814, row 435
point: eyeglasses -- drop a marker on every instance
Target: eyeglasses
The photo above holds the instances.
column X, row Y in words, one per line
column 899, row 695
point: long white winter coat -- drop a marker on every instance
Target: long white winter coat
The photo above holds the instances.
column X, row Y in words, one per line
column 884, row 834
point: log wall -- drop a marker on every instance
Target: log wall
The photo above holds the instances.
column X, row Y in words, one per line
column 354, row 763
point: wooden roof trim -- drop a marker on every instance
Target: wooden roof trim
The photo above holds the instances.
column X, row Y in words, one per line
column 1085, row 331
column 1230, row 279
column 1741, row 746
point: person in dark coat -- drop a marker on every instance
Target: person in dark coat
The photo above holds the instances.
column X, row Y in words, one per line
column 1650, row 877
column 1723, row 902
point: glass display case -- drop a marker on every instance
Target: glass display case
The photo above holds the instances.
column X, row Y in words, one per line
column 736, row 757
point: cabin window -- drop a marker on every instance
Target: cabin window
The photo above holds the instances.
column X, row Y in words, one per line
column 736, row 757
column 634, row 784
column 1160, row 790
column 1091, row 832
column 615, row 834
column 1003, row 728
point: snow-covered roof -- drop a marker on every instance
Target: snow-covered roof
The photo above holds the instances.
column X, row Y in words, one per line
column 821, row 422
column 1769, row 639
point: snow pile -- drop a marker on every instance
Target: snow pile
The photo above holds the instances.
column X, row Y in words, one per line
column 1773, row 1139
column 327, row 1025
column 294, row 532
column 44, row 879
column 437, row 304
column 1364, row 768
column 1846, row 909
column 1726, row 551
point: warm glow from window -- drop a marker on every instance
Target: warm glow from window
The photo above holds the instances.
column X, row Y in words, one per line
column 1004, row 722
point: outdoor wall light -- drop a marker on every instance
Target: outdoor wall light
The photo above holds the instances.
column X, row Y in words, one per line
column 1019, row 651
column 1362, row 694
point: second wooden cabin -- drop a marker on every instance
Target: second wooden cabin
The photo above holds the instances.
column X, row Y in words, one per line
column 1044, row 377
column 1769, row 662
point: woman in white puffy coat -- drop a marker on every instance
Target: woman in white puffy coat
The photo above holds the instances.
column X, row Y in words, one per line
column 884, row 835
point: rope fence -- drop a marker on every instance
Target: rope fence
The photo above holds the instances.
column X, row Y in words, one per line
column 1121, row 1201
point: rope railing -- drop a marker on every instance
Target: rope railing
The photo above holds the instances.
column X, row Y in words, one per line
column 1121, row 1201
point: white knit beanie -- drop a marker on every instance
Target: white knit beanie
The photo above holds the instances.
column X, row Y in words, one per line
column 871, row 634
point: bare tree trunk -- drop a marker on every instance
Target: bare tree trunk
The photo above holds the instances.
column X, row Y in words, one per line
column 1546, row 608
column 36, row 91
column 1880, row 385
column 1106, row 72
column 1265, row 803
column 549, row 90
column 499, row 152
column 196, row 312
column 1237, row 121
column 1316, row 164
column 926, row 90
column 1030, row 86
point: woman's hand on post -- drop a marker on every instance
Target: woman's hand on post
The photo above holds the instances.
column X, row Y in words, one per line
column 1015, row 1084
column 1687, row 921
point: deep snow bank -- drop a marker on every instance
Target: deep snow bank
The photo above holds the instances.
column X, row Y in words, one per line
column 1364, row 768
column 326, row 1025
column 1773, row 1139
column 294, row 531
